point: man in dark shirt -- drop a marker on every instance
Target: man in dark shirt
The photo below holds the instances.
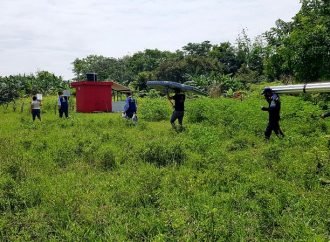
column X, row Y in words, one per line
column 178, row 113
column 274, row 108
column 63, row 105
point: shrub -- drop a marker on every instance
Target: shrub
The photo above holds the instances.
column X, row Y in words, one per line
column 163, row 153
column 238, row 144
column 106, row 158
column 198, row 111
column 154, row 109
column 64, row 156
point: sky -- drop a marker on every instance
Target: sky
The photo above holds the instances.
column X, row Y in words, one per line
column 50, row 34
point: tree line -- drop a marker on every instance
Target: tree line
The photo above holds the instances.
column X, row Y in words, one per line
column 295, row 50
column 17, row 86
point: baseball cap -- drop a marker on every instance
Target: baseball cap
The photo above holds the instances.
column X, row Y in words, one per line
column 267, row 89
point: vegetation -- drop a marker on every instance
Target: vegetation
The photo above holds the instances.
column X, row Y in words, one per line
column 282, row 53
column 304, row 42
column 294, row 50
column 13, row 87
column 97, row 177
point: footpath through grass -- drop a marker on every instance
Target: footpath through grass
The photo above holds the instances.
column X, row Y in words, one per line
column 96, row 177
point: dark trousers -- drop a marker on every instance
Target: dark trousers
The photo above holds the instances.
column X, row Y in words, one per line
column 177, row 115
column 129, row 114
column 36, row 113
column 65, row 111
column 273, row 126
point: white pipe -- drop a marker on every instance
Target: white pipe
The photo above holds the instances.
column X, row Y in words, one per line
column 302, row 88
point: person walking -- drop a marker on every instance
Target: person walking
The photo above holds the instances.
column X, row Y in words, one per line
column 35, row 108
column 130, row 108
column 178, row 112
column 273, row 109
column 63, row 105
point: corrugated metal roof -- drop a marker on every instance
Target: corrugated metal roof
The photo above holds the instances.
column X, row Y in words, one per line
column 120, row 88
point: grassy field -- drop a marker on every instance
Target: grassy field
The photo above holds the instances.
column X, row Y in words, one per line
column 95, row 177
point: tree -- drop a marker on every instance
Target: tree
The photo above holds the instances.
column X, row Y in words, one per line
column 141, row 81
column 104, row 67
column 301, row 47
column 198, row 49
column 13, row 87
column 46, row 82
column 310, row 38
column 9, row 90
column 227, row 58
column 172, row 70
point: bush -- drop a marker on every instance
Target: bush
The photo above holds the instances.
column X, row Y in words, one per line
column 106, row 158
column 198, row 111
column 163, row 153
column 94, row 178
column 154, row 109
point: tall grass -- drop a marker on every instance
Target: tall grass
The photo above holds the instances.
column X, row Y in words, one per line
column 95, row 177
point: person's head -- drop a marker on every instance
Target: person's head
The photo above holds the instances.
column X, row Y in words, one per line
column 128, row 93
column 60, row 93
column 267, row 92
column 34, row 98
column 177, row 90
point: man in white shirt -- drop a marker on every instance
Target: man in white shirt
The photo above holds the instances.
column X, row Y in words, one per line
column 35, row 108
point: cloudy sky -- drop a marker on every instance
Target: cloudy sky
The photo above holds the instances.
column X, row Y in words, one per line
column 49, row 34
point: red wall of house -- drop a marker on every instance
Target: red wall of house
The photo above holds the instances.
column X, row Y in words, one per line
column 93, row 96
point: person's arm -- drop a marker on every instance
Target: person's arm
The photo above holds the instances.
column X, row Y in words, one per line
column 31, row 107
column 264, row 109
column 170, row 98
column 274, row 104
column 126, row 107
column 59, row 102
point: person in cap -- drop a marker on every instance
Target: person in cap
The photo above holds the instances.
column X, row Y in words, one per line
column 178, row 113
column 273, row 109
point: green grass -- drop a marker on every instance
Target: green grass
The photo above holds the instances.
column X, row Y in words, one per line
column 95, row 177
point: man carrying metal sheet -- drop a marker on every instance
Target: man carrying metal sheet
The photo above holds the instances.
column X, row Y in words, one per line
column 178, row 113
column 274, row 108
